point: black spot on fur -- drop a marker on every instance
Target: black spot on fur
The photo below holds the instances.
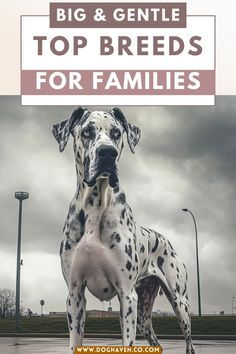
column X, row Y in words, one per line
column 123, row 214
column 177, row 288
column 128, row 265
column 117, row 237
column 69, row 318
column 185, row 289
column 78, row 155
column 91, row 201
column 156, row 245
column 121, row 198
column 79, row 319
column 160, row 262
column 67, row 245
column 82, row 220
column 142, row 249
column 149, row 246
column 105, row 290
column 165, row 252
column 128, row 250
column 129, row 311
column 144, row 228
column 72, row 209
column 170, row 245
column 61, row 247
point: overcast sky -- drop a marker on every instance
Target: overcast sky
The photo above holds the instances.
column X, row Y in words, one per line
column 186, row 158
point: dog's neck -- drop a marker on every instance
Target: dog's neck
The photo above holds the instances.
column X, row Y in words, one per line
column 91, row 201
column 97, row 197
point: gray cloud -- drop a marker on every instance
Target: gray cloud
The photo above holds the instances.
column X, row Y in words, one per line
column 186, row 158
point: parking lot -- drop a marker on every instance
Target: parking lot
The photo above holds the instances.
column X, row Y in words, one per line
column 60, row 345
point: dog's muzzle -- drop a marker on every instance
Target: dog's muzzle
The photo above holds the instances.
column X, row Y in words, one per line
column 106, row 165
column 107, row 154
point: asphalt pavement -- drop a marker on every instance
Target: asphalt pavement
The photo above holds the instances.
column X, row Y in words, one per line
column 22, row 345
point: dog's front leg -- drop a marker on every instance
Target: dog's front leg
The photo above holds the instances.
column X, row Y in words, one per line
column 128, row 304
column 76, row 313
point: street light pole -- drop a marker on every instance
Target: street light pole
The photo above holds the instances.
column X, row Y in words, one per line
column 42, row 302
column 233, row 297
column 197, row 258
column 20, row 196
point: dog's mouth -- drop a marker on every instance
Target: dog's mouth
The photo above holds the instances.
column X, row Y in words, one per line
column 104, row 170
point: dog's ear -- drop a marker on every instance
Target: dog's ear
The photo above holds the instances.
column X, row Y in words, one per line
column 61, row 131
column 133, row 132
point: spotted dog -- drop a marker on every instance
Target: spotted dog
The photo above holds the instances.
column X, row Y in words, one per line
column 103, row 248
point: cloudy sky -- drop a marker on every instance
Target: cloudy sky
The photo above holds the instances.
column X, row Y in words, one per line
column 186, row 158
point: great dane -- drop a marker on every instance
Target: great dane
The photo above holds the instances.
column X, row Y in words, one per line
column 103, row 248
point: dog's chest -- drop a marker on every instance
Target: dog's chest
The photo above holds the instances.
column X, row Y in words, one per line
column 93, row 264
column 107, row 245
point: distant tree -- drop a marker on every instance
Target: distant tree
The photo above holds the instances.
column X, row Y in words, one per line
column 7, row 302
column 29, row 312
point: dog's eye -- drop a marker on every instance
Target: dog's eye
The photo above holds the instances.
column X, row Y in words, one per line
column 115, row 133
column 86, row 133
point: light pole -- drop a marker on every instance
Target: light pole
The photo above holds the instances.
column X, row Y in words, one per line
column 109, row 307
column 42, row 302
column 198, row 273
column 233, row 297
column 20, row 196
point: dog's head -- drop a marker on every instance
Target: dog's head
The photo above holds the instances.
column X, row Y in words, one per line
column 98, row 141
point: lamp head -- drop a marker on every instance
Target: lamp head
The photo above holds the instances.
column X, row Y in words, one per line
column 21, row 195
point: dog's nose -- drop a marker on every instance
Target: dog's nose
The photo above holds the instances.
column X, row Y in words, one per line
column 107, row 152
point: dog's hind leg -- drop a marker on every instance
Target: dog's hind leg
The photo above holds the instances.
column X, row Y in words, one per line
column 147, row 290
column 180, row 304
column 182, row 313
